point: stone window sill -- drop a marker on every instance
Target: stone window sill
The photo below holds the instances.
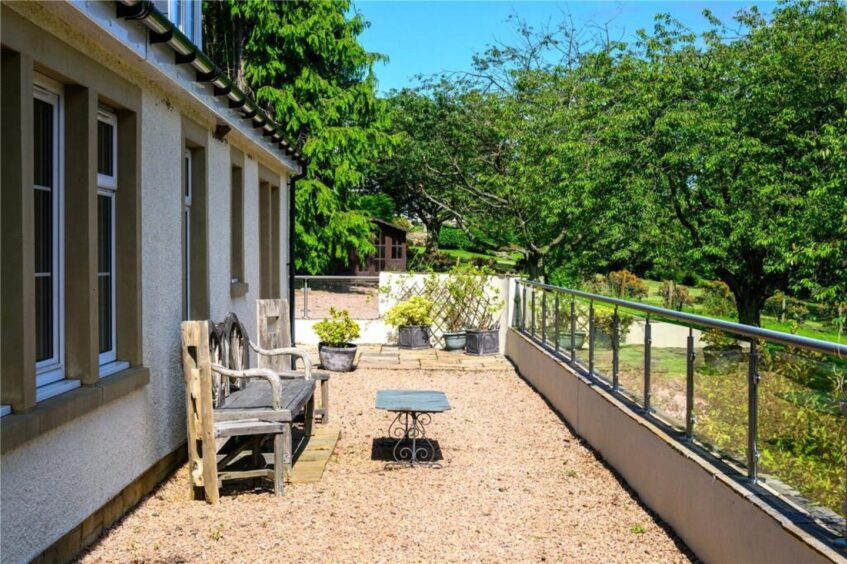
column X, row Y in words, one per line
column 19, row 428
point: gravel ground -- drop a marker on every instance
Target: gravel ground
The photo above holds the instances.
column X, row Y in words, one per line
column 516, row 484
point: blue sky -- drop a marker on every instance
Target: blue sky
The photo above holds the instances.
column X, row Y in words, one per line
column 431, row 37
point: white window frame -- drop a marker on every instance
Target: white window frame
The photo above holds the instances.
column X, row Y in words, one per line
column 178, row 13
column 186, row 192
column 52, row 370
column 107, row 186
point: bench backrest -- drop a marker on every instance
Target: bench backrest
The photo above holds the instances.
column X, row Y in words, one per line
column 274, row 332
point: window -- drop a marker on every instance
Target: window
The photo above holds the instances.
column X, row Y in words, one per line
column 186, row 15
column 269, row 238
column 186, row 234
column 237, row 225
column 396, row 249
column 47, row 191
column 107, row 183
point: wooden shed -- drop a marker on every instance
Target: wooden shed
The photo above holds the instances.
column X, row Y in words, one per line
column 390, row 251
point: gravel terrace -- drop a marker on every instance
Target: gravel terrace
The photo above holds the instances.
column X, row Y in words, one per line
column 516, row 485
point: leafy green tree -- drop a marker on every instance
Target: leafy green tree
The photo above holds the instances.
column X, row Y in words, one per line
column 415, row 173
column 304, row 63
column 534, row 155
column 743, row 144
column 377, row 205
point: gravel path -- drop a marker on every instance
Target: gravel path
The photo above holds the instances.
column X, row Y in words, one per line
column 516, row 485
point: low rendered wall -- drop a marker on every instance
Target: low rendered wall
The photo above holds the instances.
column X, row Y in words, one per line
column 717, row 518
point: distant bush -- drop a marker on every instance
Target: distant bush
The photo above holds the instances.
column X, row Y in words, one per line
column 625, row 284
column 786, row 308
column 717, row 299
column 595, row 284
column 674, row 296
column 402, row 222
column 453, row 238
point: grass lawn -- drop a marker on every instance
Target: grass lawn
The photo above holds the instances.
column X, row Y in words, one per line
column 809, row 328
column 467, row 255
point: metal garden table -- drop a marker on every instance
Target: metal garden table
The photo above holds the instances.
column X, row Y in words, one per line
column 414, row 409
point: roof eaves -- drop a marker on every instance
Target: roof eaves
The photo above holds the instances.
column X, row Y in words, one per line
column 162, row 30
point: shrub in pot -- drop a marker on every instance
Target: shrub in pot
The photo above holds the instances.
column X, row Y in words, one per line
column 604, row 327
column 484, row 336
column 464, row 290
column 412, row 319
column 335, row 350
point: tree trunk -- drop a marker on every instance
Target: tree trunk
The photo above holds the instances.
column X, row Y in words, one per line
column 535, row 266
column 432, row 230
column 748, row 303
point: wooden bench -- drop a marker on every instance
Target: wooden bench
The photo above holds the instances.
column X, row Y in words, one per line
column 232, row 410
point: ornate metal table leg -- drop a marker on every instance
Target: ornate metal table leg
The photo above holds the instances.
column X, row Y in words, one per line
column 421, row 451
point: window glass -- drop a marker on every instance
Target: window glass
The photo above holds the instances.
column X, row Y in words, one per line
column 105, row 271
column 105, row 148
column 45, row 231
column 107, row 181
column 188, row 26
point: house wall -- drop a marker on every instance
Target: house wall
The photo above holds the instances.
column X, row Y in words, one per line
column 50, row 484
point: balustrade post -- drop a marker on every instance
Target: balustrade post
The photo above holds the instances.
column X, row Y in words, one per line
column 844, row 505
column 616, row 330
column 532, row 315
column 543, row 316
column 573, row 331
column 689, row 387
column 591, row 338
column 753, row 413
column 523, row 308
column 556, row 319
column 648, row 341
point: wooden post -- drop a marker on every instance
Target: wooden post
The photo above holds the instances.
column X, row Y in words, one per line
column 197, row 370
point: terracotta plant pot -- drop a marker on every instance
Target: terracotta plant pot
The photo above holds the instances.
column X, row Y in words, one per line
column 414, row 336
column 337, row 359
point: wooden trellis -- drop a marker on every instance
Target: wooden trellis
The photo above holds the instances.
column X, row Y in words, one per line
column 474, row 311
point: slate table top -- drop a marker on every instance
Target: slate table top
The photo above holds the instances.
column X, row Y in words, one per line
column 421, row 401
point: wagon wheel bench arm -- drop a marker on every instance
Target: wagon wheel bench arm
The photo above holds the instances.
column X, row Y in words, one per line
column 299, row 353
column 265, row 374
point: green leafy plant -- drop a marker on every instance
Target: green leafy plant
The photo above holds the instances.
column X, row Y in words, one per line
column 625, row 284
column 638, row 529
column 786, row 308
column 717, row 299
column 417, row 310
column 604, row 321
column 338, row 330
column 468, row 301
column 717, row 338
column 674, row 296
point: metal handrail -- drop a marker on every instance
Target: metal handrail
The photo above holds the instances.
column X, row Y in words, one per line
column 808, row 343
column 525, row 321
column 335, row 277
